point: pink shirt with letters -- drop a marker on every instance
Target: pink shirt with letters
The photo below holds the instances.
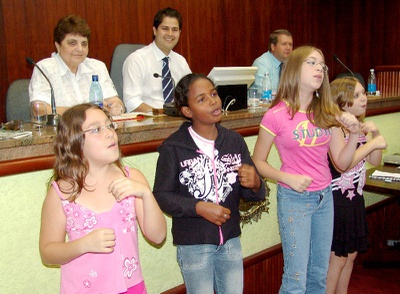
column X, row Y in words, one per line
column 302, row 146
column 102, row 272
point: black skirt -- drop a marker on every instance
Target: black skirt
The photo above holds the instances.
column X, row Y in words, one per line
column 350, row 232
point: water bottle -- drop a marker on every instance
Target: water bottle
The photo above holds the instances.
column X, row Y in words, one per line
column 371, row 89
column 95, row 92
column 266, row 92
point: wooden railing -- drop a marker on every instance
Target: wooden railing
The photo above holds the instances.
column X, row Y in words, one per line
column 388, row 80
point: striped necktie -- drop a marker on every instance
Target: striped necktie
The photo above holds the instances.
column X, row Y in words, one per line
column 167, row 84
column 280, row 69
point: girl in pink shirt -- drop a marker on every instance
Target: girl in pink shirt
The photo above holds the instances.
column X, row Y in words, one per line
column 303, row 123
column 97, row 203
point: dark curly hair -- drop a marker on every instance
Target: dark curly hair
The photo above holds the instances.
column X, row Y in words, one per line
column 71, row 24
column 181, row 93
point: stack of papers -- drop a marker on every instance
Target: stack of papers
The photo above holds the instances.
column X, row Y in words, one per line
column 133, row 116
column 386, row 176
column 5, row 134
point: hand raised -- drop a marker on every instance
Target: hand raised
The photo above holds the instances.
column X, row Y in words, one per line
column 349, row 121
column 248, row 177
column 124, row 187
column 369, row 127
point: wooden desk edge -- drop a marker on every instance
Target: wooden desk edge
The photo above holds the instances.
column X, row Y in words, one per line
column 31, row 164
column 379, row 186
column 377, row 106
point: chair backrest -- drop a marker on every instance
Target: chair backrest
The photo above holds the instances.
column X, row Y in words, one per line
column 17, row 101
column 356, row 75
column 121, row 52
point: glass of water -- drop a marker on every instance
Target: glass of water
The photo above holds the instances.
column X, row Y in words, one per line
column 38, row 114
column 253, row 98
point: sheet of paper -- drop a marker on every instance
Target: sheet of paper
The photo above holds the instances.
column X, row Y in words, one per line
column 135, row 116
column 380, row 175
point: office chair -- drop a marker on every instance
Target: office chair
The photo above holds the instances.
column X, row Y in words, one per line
column 121, row 52
column 17, row 101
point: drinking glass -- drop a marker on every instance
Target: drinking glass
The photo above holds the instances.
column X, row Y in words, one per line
column 38, row 114
column 253, row 98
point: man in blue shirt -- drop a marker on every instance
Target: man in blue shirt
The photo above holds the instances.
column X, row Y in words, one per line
column 280, row 46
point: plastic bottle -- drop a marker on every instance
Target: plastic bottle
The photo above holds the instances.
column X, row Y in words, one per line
column 371, row 89
column 95, row 92
column 266, row 91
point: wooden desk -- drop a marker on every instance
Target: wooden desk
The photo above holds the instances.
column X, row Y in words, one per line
column 136, row 137
column 383, row 221
column 36, row 153
column 380, row 186
column 382, row 104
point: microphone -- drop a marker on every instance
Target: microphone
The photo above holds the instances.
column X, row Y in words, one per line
column 168, row 108
column 335, row 56
column 53, row 118
column 156, row 75
column 231, row 102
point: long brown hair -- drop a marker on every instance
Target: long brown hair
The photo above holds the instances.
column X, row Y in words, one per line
column 321, row 106
column 70, row 164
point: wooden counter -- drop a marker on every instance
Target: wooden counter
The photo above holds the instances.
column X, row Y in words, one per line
column 36, row 152
column 380, row 186
column 379, row 105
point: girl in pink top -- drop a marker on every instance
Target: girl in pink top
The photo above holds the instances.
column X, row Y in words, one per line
column 303, row 123
column 97, row 203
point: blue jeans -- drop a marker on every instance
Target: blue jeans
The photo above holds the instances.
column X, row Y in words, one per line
column 306, row 228
column 207, row 267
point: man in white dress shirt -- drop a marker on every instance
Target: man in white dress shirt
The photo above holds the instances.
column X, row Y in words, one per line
column 142, row 90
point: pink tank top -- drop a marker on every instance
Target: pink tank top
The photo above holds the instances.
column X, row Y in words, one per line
column 102, row 272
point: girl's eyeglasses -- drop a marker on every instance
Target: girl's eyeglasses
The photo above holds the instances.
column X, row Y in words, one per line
column 101, row 129
column 313, row 63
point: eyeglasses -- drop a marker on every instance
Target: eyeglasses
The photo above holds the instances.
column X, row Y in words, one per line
column 101, row 129
column 313, row 63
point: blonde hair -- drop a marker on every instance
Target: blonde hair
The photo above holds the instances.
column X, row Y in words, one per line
column 343, row 93
column 322, row 106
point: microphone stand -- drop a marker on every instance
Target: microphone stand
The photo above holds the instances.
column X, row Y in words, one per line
column 168, row 108
column 53, row 118
column 356, row 75
column 338, row 60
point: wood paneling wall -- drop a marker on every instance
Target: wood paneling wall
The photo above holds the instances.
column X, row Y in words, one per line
column 363, row 33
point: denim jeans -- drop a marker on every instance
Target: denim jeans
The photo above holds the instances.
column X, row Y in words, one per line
column 306, row 228
column 207, row 267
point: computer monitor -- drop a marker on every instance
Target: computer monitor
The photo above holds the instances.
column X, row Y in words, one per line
column 233, row 75
column 232, row 84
